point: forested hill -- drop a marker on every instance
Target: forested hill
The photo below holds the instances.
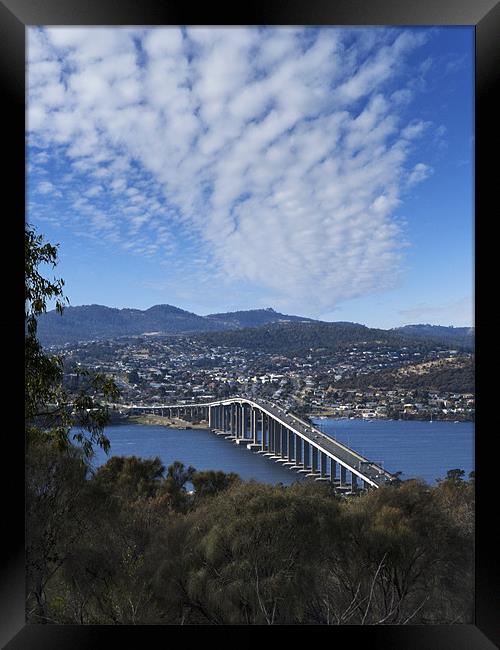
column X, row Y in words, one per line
column 301, row 338
column 255, row 318
column 460, row 336
column 91, row 322
column 264, row 329
column 448, row 375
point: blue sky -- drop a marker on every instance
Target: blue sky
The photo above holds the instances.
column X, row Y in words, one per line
column 324, row 172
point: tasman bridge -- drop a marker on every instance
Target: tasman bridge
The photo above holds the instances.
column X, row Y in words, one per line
column 266, row 428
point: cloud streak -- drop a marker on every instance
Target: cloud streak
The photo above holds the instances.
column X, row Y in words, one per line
column 280, row 155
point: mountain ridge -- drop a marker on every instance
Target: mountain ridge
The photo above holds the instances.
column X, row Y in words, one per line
column 97, row 322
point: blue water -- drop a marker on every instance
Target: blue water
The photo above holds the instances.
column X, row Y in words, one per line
column 417, row 449
column 197, row 447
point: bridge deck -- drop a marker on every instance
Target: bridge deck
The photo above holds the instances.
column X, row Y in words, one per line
column 353, row 461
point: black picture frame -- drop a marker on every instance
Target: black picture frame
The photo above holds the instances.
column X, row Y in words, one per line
column 484, row 15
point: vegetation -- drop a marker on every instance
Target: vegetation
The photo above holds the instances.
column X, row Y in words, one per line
column 461, row 336
column 255, row 317
column 50, row 410
column 457, row 377
column 88, row 322
column 303, row 338
column 130, row 543
column 245, row 329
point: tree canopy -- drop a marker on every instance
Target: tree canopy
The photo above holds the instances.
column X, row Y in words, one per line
column 51, row 412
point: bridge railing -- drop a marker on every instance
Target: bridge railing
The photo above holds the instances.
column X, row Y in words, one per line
column 338, row 452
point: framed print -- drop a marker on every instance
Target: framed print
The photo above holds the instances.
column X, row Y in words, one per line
column 331, row 161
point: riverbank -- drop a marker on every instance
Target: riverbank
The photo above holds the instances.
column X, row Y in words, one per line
column 172, row 423
column 330, row 413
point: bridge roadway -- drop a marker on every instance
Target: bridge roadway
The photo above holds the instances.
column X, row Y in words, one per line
column 306, row 452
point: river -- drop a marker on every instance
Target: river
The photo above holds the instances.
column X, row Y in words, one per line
column 417, row 449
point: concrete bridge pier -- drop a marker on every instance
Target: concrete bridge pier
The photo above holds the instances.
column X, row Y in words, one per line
column 322, row 464
column 253, row 416
column 263, row 431
column 306, row 455
column 274, row 437
column 232, row 418
column 299, row 449
column 279, row 440
column 276, row 441
column 314, row 459
column 243, row 421
column 283, row 442
column 333, row 470
column 290, row 445
column 271, row 425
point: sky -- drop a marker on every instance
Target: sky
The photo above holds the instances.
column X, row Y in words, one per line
column 325, row 172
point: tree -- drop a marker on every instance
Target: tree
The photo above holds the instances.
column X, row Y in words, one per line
column 411, row 564
column 55, row 518
column 210, row 482
column 456, row 497
column 173, row 488
column 130, row 477
column 455, row 476
column 55, row 468
column 247, row 555
column 133, row 377
column 50, row 411
column 43, row 373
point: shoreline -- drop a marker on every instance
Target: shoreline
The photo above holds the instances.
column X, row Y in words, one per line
column 177, row 423
column 171, row 423
column 331, row 415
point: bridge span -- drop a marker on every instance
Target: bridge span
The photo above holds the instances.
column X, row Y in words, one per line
column 266, row 428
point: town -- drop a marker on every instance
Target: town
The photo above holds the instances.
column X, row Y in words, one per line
column 168, row 369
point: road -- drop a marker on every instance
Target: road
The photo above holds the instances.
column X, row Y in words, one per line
column 372, row 471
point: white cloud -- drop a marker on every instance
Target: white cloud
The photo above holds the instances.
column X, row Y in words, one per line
column 95, row 190
column 419, row 173
column 46, row 187
column 280, row 152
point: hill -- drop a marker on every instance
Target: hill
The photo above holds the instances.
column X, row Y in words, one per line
column 97, row 322
column 93, row 322
column 263, row 329
column 256, row 318
column 460, row 336
column 296, row 338
column 454, row 375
